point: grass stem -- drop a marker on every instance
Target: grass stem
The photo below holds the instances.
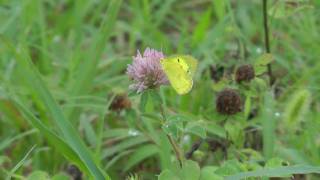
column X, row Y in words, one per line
column 266, row 37
column 174, row 145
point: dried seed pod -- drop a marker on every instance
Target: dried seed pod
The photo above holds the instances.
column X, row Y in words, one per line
column 244, row 73
column 74, row 172
column 228, row 102
column 120, row 102
column 216, row 72
column 216, row 144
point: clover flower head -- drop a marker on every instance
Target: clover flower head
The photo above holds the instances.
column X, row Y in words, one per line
column 146, row 71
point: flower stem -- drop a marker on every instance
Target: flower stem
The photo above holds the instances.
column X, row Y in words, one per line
column 266, row 37
column 176, row 149
column 174, row 145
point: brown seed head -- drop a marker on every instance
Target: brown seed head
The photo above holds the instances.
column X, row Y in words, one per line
column 245, row 73
column 216, row 72
column 228, row 102
column 74, row 172
column 120, row 102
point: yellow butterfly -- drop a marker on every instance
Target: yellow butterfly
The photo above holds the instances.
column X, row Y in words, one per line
column 180, row 70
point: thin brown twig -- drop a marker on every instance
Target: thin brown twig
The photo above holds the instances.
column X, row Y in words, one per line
column 171, row 140
column 266, row 37
column 176, row 149
column 195, row 146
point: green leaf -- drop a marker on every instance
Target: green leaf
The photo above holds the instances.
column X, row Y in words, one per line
column 179, row 118
column 220, row 85
column 147, row 101
column 235, row 132
column 215, row 129
column 259, row 70
column 60, row 176
column 174, row 125
column 196, row 128
column 297, row 106
column 132, row 93
column 274, row 162
column 229, row 167
column 260, row 84
column 276, row 172
column 117, row 133
column 208, row 173
column 264, row 60
column 165, row 155
column 199, row 33
column 155, row 95
column 143, row 101
column 219, row 8
column 167, row 175
column 140, row 154
column 37, row 175
column 190, row 170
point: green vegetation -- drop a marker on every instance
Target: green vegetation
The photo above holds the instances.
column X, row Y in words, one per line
column 66, row 110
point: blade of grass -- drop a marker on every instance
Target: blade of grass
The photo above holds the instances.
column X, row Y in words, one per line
column 69, row 133
column 8, row 110
column 201, row 28
column 7, row 142
column 117, row 157
column 44, row 62
column 128, row 143
column 20, row 163
column 141, row 154
column 269, row 126
column 276, row 172
column 87, row 68
column 55, row 140
column 101, row 128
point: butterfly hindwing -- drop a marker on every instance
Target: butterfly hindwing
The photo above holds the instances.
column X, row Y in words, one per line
column 179, row 72
column 192, row 63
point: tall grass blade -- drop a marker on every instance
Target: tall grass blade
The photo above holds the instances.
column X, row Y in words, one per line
column 68, row 131
column 20, row 163
column 276, row 172
column 87, row 68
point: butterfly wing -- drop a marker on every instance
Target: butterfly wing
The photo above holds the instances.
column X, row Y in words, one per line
column 192, row 63
column 177, row 74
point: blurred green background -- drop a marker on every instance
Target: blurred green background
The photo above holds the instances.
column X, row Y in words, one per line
column 81, row 50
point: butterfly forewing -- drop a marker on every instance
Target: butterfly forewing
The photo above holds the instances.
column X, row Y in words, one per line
column 177, row 74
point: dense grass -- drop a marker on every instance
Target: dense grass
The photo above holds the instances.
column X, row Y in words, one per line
column 63, row 90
